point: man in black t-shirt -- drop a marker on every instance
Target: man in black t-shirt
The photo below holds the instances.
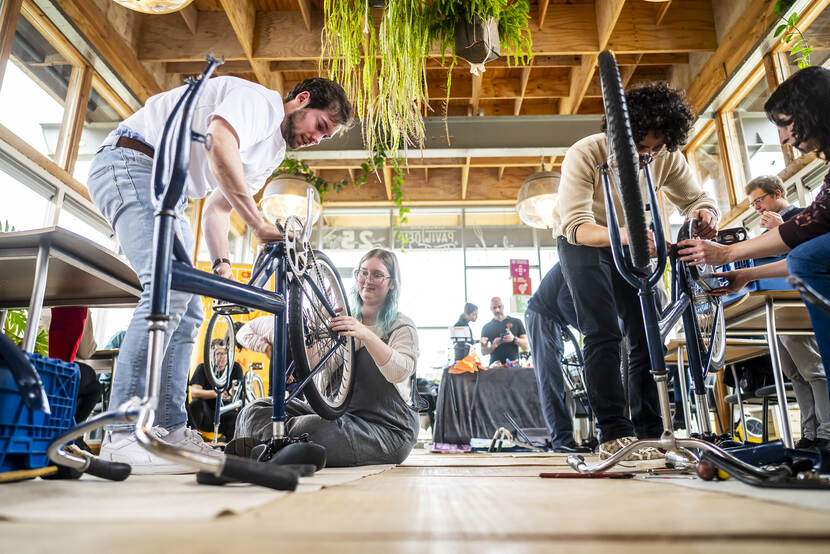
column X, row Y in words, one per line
column 203, row 397
column 503, row 335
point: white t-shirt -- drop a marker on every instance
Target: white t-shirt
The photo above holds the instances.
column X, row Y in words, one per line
column 254, row 112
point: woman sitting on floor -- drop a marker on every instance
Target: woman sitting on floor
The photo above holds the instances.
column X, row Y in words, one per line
column 380, row 426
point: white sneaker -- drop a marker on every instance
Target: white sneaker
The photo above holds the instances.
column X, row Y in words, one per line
column 643, row 458
column 193, row 441
column 128, row 450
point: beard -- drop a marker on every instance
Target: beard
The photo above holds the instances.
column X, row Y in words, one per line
column 288, row 129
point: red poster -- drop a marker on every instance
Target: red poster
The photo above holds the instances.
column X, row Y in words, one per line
column 521, row 285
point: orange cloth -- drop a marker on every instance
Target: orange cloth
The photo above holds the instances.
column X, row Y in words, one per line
column 469, row 364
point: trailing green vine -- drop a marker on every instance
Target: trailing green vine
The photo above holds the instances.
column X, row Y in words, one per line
column 791, row 35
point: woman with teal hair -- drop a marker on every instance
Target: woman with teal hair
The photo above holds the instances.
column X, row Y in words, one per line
column 380, row 425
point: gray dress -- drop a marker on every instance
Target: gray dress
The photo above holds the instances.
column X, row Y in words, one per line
column 379, row 427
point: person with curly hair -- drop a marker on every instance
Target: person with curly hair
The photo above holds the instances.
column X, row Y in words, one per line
column 800, row 110
column 660, row 120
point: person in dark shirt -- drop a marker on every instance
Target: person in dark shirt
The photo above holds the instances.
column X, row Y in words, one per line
column 470, row 314
column 203, row 403
column 551, row 307
column 502, row 337
column 800, row 110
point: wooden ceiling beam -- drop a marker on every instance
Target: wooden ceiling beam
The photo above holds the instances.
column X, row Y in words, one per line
column 190, row 15
column 517, row 104
column 305, row 9
column 543, row 10
column 93, row 23
column 607, row 14
column 188, row 68
column 661, row 12
column 242, row 16
column 387, row 181
column 465, row 178
column 689, row 27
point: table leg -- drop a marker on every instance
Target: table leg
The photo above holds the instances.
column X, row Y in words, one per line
column 744, row 436
column 36, row 302
column 780, row 391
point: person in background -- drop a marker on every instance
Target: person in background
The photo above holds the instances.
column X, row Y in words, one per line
column 470, row 314
column 203, row 396
column 799, row 108
column 800, row 360
column 503, row 335
column 380, row 426
column 660, row 122
column 549, row 309
column 115, row 341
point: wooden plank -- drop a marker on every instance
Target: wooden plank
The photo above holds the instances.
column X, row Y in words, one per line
column 543, row 10
column 627, row 72
column 661, row 11
column 607, row 14
column 50, row 167
column 730, row 158
column 688, row 28
column 74, row 115
column 93, row 23
column 242, row 17
column 580, row 79
column 191, row 18
column 465, row 176
column 47, row 29
column 305, row 9
column 190, row 68
column 387, row 181
column 734, row 47
column 475, row 97
column 170, row 40
column 775, row 73
column 9, row 14
column 517, row 104
column 113, row 99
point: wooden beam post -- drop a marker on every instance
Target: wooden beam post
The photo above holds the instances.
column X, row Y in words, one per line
column 661, row 12
column 9, row 14
column 306, row 11
column 74, row 115
column 476, row 94
column 387, row 181
column 517, row 103
column 543, row 10
column 191, row 18
column 465, row 178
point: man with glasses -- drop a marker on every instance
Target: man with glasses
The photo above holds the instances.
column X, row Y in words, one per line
column 203, row 398
column 660, row 121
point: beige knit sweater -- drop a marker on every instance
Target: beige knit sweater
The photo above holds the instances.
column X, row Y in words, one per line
column 582, row 197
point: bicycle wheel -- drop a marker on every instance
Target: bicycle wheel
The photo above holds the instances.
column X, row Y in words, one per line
column 573, row 369
column 219, row 335
column 311, row 339
column 254, row 388
column 623, row 160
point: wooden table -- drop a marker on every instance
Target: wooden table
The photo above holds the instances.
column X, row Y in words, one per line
column 55, row 267
column 771, row 313
column 737, row 350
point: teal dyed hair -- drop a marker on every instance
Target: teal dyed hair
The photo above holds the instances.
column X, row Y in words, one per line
column 389, row 311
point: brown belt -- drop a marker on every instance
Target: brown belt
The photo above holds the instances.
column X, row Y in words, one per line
column 133, row 144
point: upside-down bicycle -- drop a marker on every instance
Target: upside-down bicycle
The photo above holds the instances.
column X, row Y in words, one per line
column 308, row 291
column 702, row 314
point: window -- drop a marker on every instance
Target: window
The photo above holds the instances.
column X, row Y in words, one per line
column 710, row 173
column 22, row 207
column 101, row 118
column 761, row 152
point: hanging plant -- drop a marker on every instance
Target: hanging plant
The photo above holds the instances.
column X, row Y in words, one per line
column 791, row 35
column 383, row 70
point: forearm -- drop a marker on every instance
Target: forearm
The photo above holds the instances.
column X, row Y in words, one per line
column 766, row 244
column 592, row 234
column 198, row 392
column 486, row 349
column 766, row 271
column 216, row 224
column 523, row 343
column 378, row 350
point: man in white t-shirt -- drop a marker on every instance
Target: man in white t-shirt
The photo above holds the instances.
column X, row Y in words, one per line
column 250, row 127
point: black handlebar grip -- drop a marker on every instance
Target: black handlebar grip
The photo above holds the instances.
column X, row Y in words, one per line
column 205, row 478
column 264, row 475
column 114, row 471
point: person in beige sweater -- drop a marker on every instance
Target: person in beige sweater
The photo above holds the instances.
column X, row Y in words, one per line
column 660, row 120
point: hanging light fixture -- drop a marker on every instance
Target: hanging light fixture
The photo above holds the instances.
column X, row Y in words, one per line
column 154, row 6
column 286, row 195
column 537, row 199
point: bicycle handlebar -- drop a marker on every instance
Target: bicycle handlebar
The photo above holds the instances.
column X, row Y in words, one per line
column 258, row 473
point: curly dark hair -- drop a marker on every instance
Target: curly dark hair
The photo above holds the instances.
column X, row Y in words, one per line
column 660, row 108
column 325, row 94
column 803, row 101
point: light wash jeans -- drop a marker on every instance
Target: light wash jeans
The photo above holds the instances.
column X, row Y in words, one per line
column 119, row 184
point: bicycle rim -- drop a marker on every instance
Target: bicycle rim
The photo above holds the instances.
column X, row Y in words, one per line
column 311, row 339
column 711, row 328
column 219, row 329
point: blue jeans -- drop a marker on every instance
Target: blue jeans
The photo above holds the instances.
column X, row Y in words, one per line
column 119, row 184
column 810, row 262
column 546, row 346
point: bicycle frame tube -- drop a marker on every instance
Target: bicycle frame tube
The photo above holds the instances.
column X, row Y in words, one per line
column 279, row 351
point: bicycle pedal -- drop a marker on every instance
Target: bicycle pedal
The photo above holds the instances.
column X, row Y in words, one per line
column 229, row 309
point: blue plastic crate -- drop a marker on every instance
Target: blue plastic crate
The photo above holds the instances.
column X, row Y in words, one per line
column 25, row 434
column 775, row 283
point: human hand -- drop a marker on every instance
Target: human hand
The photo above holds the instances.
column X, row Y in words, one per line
column 224, row 270
column 771, row 220
column 736, row 281
column 495, row 342
column 349, row 326
column 266, row 232
column 508, row 336
column 707, row 223
column 696, row 251
column 268, row 350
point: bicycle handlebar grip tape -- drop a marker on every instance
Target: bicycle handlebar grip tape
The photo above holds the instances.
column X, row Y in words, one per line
column 114, row 471
column 265, row 475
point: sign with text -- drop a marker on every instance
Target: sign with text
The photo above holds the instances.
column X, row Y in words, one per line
column 519, row 268
column 521, row 285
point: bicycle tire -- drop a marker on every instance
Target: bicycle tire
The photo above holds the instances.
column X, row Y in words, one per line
column 254, row 387
column 623, row 160
column 224, row 322
column 329, row 392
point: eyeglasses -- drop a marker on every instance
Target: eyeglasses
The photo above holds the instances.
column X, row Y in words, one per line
column 757, row 202
column 646, row 159
column 377, row 277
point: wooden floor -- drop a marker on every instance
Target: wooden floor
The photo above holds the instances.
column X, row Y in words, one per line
column 462, row 504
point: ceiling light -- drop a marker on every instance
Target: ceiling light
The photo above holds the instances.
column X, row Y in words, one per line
column 154, row 6
column 286, row 195
column 537, row 199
